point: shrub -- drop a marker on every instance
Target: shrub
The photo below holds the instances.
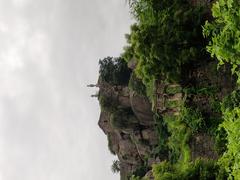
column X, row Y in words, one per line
column 165, row 37
column 220, row 140
column 224, row 33
column 193, row 118
column 199, row 169
column 163, row 170
column 178, row 139
column 230, row 161
column 231, row 101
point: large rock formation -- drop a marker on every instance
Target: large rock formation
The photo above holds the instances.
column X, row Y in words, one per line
column 131, row 145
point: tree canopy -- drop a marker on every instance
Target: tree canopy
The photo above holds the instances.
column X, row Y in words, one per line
column 165, row 37
column 114, row 71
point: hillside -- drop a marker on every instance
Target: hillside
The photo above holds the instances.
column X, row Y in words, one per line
column 168, row 108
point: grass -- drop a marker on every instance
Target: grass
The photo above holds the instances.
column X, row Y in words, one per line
column 178, row 140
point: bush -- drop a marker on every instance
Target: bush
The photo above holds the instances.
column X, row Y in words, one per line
column 221, row 140
column 179, row 150
column 224, row 33
column 181, row 128
column 230, row 161
column 231, row 101
column 199, row 169
column 193, row 118
column 165, row 37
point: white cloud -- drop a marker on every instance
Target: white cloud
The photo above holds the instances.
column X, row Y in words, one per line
column 3, row 28
column 49, row 53
column 10, row 59
column 20, row 3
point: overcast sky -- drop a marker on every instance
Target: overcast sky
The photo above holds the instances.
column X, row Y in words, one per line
column 49, row 51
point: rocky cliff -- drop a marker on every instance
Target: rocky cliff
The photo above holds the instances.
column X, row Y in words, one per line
column 132, row 144
column 129, row 122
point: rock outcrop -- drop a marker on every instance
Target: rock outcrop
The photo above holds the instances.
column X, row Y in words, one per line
column 131, row 145
column 134, row 142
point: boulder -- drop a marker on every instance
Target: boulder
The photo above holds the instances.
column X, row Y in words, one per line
column 142, row 109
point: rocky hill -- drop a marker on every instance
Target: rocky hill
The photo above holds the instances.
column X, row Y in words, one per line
column 131, row 122
column 135, row 141
column 168, row 108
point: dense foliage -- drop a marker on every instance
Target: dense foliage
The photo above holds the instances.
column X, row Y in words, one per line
column 193, row 119
column 165, row 37
column 199, row 169
column 114, row 71
column 224, row 33
column 230, row 161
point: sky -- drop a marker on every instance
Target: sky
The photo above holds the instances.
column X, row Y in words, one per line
column 49, row 52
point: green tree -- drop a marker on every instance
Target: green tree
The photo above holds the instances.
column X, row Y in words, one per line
column 114, row 71
column 224, row 33
column 165, row 38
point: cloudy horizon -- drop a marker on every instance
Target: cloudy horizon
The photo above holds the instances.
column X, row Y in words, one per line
column 49, row 53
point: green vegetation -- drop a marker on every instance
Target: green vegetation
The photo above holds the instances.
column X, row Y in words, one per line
column 141, row 171
column 178, row 139
column 193, row 119
column 230, row 161
column 165, row 37
column 224, row 33
column 114, row 71
column 199, row 169
column 181, row 128
column 220, row 140
column 161, row 128
column 167, row 44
